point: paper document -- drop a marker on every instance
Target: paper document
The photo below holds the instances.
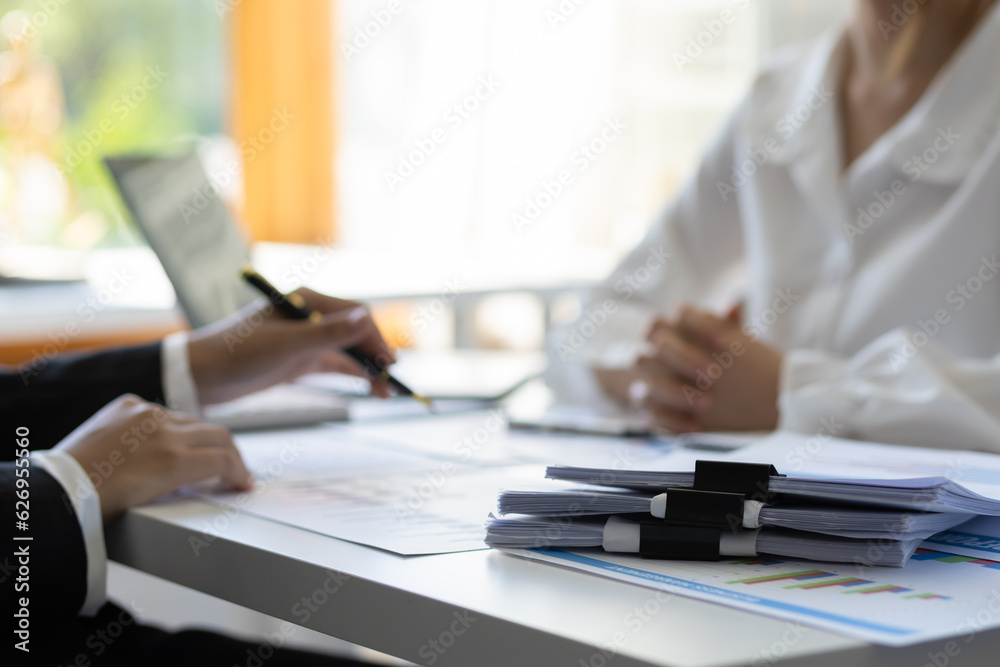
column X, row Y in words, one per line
column 933, row 597
column 331, row 481
column 483, row 438
column 908, row 478
column 622, row 534
column 951, row 578
column 863, row 523
column 976, row 539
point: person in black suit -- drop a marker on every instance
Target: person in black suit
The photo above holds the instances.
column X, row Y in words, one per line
column 110, row 412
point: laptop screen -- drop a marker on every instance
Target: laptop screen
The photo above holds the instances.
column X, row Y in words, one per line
column 189, row 228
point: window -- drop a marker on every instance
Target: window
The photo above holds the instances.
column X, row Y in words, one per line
column 82, row 79
column 531, row 127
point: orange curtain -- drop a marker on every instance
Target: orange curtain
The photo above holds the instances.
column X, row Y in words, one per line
column 282, row 117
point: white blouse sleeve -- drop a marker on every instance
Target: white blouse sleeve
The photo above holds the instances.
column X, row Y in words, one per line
column 894, row 390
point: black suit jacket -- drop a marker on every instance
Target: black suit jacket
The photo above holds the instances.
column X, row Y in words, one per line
column 50, row 399
column 53, row 397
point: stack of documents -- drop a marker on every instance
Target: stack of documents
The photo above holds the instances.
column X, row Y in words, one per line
column 949, row 579
column 728, row 508
column 926, row 494
column 828, row 519
column 550, row 533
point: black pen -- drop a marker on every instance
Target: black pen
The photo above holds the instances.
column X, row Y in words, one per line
column 294, row 307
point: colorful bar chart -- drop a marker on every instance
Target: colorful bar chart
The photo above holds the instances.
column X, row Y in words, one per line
column 941, row 557
column 843, row 581
column 887, row 588
column 808, row 580
column 926, row 596
column 805, row 574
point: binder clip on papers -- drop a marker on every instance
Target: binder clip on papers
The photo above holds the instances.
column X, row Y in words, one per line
column 719, row 516
column 731, row 509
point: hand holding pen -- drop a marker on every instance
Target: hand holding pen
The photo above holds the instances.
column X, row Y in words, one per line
column 373, row 359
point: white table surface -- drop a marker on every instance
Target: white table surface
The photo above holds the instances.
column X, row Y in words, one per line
column 525, row 612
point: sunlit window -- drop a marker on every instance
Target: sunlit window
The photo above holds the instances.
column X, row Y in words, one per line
column 532, row 127
column 79, row 80
column 510, row 143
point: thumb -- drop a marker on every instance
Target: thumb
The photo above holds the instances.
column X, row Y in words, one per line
column 735, row 314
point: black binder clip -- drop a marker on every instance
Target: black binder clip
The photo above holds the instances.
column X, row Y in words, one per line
column 750, row 479
column 695, row 507
column 672, row 542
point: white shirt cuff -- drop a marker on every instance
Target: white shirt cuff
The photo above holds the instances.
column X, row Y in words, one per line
column 87, row 505
column 178, row 382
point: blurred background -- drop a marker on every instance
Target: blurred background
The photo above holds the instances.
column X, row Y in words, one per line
column 423, row 144
column 469, row 167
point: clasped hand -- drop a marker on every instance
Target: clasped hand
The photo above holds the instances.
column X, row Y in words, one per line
column 702, row 373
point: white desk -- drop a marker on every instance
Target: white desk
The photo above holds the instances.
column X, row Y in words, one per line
column 521, row 612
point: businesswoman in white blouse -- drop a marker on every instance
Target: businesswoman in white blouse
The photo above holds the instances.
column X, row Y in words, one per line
column 832, row 267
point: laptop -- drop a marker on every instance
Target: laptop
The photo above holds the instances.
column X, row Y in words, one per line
column 186, row 223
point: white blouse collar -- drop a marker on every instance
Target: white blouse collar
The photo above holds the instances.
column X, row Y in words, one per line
column 963, row 100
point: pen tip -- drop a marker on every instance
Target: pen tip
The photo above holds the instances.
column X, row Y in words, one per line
column 426, row 401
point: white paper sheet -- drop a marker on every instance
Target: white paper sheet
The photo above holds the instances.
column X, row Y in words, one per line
column 332, row 481
column 483, row 438
column 979, row 539
column 834, row 458
column 928, row 599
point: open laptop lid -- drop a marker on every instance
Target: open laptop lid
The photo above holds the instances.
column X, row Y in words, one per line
column 188, row 227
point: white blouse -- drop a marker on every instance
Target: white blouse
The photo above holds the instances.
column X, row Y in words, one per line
column 879, row 282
